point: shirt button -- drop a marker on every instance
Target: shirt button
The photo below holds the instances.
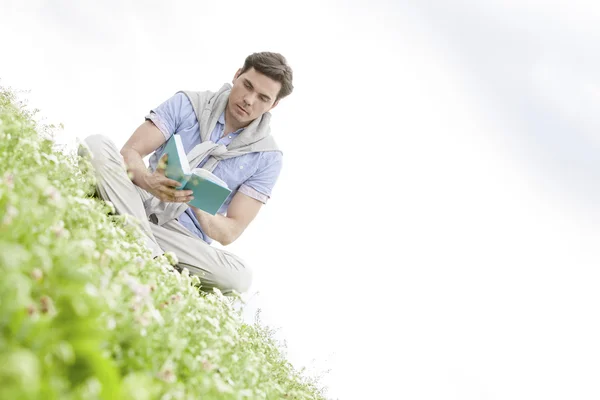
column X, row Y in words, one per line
column 241, row 167
column 229, row 136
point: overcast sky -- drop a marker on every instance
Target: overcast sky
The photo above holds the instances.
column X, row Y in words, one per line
column 434, row 232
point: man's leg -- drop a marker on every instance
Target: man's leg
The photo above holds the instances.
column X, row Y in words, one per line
column 115, row 186
column 215, row 267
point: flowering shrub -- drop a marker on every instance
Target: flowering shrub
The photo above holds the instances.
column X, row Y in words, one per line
column 85, row 312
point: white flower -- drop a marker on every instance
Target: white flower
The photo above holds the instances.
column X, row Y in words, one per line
column 37, row 274
column 40, row 181
column 156, row 315
column 88, row 245
column 139, row 262
column 11, row 212
column 59, row 229
column 105, row 257
column 91, row 290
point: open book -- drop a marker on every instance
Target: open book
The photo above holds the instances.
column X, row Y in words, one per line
column 210, row 192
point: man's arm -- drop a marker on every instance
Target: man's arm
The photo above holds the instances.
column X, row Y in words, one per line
column 246, row 203
column 225, row 230
column 147, row 138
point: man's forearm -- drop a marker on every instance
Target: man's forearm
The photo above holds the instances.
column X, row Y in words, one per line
column 217, row 227
column 136, row 167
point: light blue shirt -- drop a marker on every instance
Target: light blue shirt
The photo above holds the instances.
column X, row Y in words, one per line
column 253, row 174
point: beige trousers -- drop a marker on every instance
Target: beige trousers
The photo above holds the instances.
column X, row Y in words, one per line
column 215, row 267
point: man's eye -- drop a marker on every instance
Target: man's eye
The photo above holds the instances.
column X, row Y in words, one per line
column 247, row 85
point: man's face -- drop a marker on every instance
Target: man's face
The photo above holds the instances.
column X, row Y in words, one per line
column 251, row 96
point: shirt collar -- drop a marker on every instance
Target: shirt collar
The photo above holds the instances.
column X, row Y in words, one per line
column 221, row 121
column 222, row 118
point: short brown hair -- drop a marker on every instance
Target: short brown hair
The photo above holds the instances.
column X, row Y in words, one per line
column 273, row 65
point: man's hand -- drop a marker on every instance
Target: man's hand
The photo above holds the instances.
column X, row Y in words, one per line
column 164, row 188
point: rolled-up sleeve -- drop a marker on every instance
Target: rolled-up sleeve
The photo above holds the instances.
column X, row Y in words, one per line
column 172, row 114
column 260, row 185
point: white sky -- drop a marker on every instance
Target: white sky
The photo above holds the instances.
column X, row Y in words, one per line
column 433, row 234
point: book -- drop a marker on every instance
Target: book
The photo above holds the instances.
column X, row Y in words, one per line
column 210, row 192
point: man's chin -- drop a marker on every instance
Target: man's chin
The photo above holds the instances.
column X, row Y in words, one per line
column 237, row 114
column 245, row 119
column 239, row 119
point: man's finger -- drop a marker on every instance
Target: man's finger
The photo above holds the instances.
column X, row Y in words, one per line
column 183, row 193
column 181, row 196
column 168, row 194
column 172, row 183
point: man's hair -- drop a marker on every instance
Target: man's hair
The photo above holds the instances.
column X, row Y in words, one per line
column 273, row 65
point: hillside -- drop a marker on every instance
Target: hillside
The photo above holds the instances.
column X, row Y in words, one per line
column 86, row 313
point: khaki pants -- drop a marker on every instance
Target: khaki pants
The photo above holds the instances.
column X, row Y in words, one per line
column 215, row 267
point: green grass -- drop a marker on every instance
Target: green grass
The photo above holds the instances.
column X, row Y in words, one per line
column 86, row 313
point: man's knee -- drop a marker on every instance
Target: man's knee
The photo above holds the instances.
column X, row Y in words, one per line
column 99, row 148
column 237, row 280
column 102, row 154
column 243, row 280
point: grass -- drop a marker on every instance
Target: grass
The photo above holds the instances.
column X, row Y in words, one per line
column 86, row 313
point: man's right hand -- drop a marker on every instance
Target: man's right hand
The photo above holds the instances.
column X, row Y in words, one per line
column 164, row 188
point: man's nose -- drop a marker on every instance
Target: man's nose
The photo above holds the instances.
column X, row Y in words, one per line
column 249, row 99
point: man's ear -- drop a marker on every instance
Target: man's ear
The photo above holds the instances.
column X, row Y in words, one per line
column 274, row 104
column 238, row 73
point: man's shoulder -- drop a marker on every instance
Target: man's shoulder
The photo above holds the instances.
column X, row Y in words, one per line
column 197, row 99
column 195, row 95
column 270, row 160
column 201, row 97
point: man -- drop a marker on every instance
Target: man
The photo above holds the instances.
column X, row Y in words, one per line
column 226, row 132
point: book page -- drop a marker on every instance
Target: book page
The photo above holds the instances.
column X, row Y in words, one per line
column 209, row 176
column 183, row 161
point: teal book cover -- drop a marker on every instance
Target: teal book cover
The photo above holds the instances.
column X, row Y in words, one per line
column 210, row 192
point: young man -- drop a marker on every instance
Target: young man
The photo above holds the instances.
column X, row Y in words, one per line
column 226, row 132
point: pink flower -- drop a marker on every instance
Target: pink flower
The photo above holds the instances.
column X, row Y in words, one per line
column 11, row 212
column 9, row 179
column 47, row 305
column 167, row 375
column 53, row 194
column 31, row 310
column 59, row 229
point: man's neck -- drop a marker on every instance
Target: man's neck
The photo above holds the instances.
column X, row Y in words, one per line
column 230, row 124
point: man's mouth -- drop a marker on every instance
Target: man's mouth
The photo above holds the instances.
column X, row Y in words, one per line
column 242, row 110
